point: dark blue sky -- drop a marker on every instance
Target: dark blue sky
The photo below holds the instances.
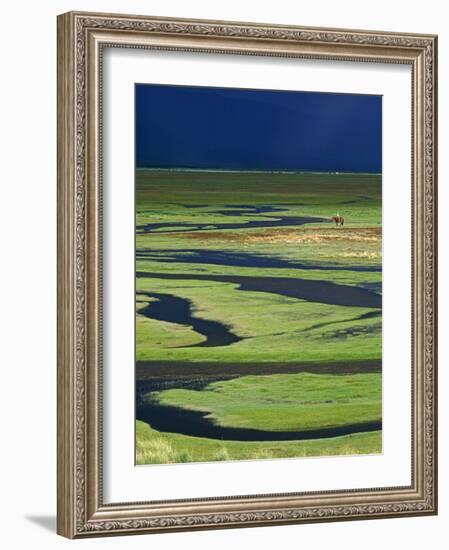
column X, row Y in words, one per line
column 241, row 129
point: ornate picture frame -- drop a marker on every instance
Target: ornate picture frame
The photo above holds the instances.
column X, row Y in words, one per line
column 82, row 38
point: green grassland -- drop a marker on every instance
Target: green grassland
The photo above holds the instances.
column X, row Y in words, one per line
column 283, row 402
column 153, row 447
column 274, row 328
column 290, row 338
column 169, row 196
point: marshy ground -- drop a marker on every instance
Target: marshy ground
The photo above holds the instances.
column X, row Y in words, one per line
column 245, row 288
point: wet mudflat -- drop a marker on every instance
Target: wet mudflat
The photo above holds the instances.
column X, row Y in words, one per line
column 158, row 371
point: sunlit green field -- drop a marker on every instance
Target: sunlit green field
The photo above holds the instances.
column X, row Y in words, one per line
column 153, row 447
column 273, row 329
column 284, row 401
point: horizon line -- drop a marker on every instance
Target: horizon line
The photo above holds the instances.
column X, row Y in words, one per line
column 279, row 171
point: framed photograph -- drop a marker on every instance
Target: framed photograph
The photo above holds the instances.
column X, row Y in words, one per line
column 246, row 274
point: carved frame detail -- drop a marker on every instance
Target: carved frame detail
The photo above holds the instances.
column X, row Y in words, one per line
column 81, row 39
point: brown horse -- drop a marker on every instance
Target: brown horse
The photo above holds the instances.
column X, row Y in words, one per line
column 339, row 220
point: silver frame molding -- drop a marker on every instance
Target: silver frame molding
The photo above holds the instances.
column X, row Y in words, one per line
column 81, row 39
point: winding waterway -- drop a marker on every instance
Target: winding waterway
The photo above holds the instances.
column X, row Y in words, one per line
column 171, row 419
column 311, row 290
column 240, row 259
column 174, row 309
column 178, row 310
column 236, row 210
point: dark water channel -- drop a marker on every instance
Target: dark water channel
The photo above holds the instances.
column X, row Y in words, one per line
column 178, row 310
column 240, row 259
column 169, row 419
column 174, row 309
column 304, row 289
column 236, row 210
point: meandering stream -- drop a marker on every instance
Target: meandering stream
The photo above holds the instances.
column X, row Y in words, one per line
column 240, row 259
column 177, row 420
column 237, row 210
column 178, row 310
column 305, row 289
column 175, row 309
